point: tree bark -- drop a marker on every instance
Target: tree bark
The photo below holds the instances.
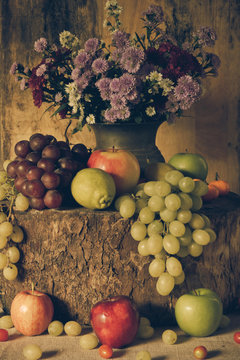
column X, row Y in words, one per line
column 80, row 256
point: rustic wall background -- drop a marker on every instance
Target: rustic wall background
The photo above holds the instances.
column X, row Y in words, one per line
column 212, row 128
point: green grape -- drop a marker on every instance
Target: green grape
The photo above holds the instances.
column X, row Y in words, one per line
column 195, row 249
column 3, row 241
column 138, row 231
column 186, row 238
column 173, row 266
column 171, row 244
column 201, row 237
column 146, row 215
column 186, row 184
column 184, row 216
column 141, row 194
column 197, row 202
column 143, row 247
column 32, row 352
column 155, row 227
column 180, row 278
column 201, row 188
column 10, row 272
column 161, row 255
column 149, row 188
column 145, row 332
column 6, row 228
column 162, row 188
column 140, row 203
column 169, row 337
column 156, row 267
column 211, row 233
column 17, row 235
column 143, row 321
column 155, row 244
column 72, row 328
column 6, row 163
column 138, row 187
column 88, row 341
column 172, row 202
column 55, row 328
column 21, row 202
column 3, row 177
column 6, row 322
column 3, row 217
column 3, row 261
column 173, row 177
column 127, row 208
column 207, row 220
column 177, row 228
column 183, row 252
column 119, row 200
column 156, row 203
column 186, row 201
column 13, row 254
column 197, row 221
column 3, row 193
column 143, row 355
column 167, row 215
column 165, row 284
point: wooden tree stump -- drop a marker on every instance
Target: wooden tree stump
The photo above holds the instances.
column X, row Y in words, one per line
column 79, row 257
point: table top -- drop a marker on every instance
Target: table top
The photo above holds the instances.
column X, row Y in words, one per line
column 220, row 346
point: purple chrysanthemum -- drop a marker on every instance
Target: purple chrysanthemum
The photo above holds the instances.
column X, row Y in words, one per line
column 118, row 101
column 206, row 36
column 100, row 66
column 132, row 59
column 41, row 70
column 40, row 45
column 115, row 85
column 76, row 73
column 92, row 45
column 103, row 86
column 83, row 81
column 120, row 39
column 81, row 59
column 127, row 83
column 123, row 113
column 110, row 115
column 187, row 92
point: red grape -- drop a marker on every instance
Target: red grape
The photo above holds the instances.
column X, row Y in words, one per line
column 63, row 145
column 11, row 169
column 35, row 188
column 37, row 142
column 50, row 139
column 22, row 167
column 33, row 156
column 200, row 352
column 22, row 148
column 51, row 151
column 80, row 152
column 34, row 172
column 65, row 177
column 36, row 203
column 46, row 164
column 23, row 188
column 18, row 182
column 50, row 180
column 70, row 164
column 52, row 199
column 3, row 335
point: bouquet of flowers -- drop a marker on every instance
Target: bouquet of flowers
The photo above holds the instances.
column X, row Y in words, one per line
column 143, row 78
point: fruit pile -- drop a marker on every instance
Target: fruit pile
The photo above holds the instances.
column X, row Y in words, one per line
column 43, row 169
column 168, row 226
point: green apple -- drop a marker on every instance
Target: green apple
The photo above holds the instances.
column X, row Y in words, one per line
column 199, row 312
column 193, row 165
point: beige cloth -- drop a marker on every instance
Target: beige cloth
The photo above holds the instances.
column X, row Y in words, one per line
column 220, row 346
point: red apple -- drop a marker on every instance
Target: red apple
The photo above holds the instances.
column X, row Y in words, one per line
column 115, row 321
column 31, row 312
column 121, row 164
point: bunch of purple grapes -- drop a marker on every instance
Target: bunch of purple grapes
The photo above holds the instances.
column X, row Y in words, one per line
column 43, row 169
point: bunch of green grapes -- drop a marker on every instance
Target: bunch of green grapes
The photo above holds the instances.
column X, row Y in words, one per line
column 169, row 226
column 10, row 233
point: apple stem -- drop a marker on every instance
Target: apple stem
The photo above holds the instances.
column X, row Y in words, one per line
column 32, row 288
column 113, row 148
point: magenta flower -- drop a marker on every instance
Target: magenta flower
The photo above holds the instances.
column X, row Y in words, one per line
column 120, row 39
column 81, row 59
column 92, row 45
column 100, row 66
column 187, row 92
column 132, row 59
